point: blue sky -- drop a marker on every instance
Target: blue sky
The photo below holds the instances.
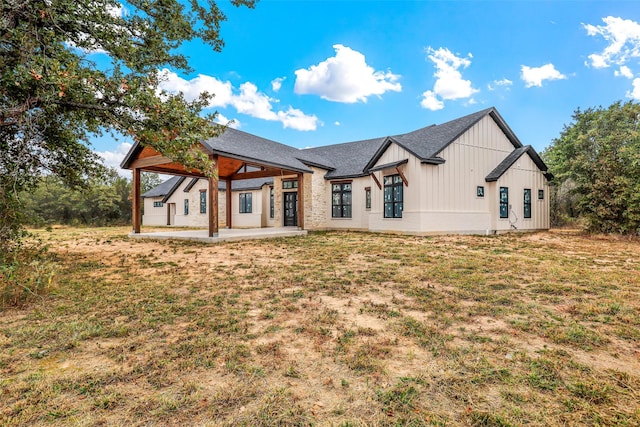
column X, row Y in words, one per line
column 311, row 73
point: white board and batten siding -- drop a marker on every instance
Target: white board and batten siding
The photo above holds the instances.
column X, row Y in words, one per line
column 451, row 189
column 443, row 198
column 413, row 193
column 523, row 174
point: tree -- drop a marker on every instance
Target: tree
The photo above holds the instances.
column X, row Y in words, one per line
column 54, row 97
column 596, row 164
column 149, row 180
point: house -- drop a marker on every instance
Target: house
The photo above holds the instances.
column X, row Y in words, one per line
column 469, row 175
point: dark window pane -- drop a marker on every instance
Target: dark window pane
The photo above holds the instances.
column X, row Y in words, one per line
column 388, row 210
column 397, row 212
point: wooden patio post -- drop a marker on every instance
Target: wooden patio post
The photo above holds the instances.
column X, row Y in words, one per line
column 213, row 198
column 135, row 203
column 228, row 198
column 301, row 201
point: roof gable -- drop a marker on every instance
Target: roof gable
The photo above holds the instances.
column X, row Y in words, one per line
column 165, row 189
column 513, row 157
column 426, row 143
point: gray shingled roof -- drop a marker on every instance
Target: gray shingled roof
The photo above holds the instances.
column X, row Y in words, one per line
column 165, row 188
column 245, row 146
column 354, row 159
column 349, row 159
column 246, row 184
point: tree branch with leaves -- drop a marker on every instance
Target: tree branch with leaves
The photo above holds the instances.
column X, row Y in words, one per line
column 54, row 97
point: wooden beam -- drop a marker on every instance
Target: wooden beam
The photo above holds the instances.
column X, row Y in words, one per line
column 151, row 161
column 135, row 202
column 301, row 201
column 259, row 174
column 229, row 203
column 406, row 183
column 213, row 197
column 375, row 179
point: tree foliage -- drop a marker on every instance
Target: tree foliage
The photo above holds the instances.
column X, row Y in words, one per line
column 54, row 96
column 596, row 164
column 100, row 202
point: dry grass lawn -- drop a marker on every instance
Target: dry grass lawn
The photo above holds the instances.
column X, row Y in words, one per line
column 335, row 329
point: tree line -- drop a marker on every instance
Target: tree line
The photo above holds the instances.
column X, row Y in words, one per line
column 104, row 200
column 596, row 166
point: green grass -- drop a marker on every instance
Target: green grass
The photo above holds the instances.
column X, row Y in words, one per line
column 335, row 328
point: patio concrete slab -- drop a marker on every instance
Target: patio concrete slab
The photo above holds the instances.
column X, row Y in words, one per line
column 223, row 234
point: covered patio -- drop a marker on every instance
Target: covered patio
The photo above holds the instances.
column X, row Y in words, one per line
column 223, row 234
column 235, row 155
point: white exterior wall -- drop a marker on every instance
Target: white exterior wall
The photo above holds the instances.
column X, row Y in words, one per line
column 523, row 174
column 195, row 218
column 413, row 193
column 247, row 220
column 359, row 215
column 154, row 215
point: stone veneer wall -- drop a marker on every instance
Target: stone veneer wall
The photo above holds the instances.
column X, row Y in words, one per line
column 278, row 202
column 315, row 199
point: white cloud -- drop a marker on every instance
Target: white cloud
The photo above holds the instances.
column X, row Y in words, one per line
column 191, row 89
column 276, row 83
column 505, row 83
column 345, row 77
column 623, row 36
column 431, row 102
column 534, row 76
column 635, row 93
column 336, row 123
column 113, row 159
column 248, row 100
column 624, row 71
column 223, row 120
column 449, row 83
column 296, row 119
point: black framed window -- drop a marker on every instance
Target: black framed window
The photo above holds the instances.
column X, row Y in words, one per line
column 271, row 203
column 540, row 194
column 527, row 203
column 203, row 201
column 393, row 196
column 504, row 202
column 367, row 198
column 288, row 185
column 245, row 203
column 341, row 200
column 186, row 206
column 480, row 191
column 158, row 204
